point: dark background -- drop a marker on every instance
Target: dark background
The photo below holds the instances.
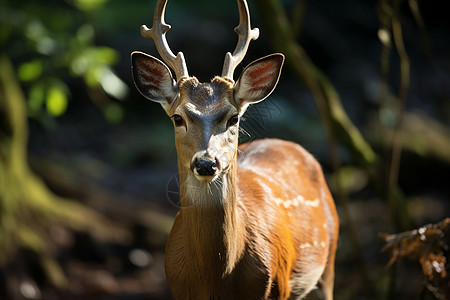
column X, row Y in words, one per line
column 114, row 151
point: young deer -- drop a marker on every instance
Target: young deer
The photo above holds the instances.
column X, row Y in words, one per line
column 256, row 222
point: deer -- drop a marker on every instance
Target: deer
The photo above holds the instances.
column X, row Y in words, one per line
column 256, row 221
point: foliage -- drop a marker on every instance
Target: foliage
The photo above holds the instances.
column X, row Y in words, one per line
column 48, row 59
column 40, row 36
column 27, row 205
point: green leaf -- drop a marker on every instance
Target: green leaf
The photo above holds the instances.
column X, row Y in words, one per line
column 30, row 71
column 93, row 76
column 106, row 55
column 85, row 34
column 79, row 65
column 35, row 30
column 56, row 101
column 36, row 98
column 113, row 113
column 113, row 85
column 88, row 5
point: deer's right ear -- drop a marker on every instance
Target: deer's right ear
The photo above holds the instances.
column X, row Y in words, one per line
column 153, row 78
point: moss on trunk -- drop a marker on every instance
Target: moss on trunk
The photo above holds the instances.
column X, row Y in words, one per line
column 27, row 206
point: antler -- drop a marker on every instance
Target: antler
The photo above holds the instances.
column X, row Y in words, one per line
column 246, row 34
column 158, row 34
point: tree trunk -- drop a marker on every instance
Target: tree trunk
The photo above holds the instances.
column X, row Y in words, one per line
column 27, row 207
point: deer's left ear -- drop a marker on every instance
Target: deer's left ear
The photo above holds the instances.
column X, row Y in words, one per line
column 153, row 79
column 258, row 80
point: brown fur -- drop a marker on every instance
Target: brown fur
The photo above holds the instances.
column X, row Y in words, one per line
column 251, row 248
column 264, row 225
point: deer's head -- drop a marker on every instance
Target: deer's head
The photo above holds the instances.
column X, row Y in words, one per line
column 205, row 115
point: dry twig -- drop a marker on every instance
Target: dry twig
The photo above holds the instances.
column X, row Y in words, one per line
column 428, row 245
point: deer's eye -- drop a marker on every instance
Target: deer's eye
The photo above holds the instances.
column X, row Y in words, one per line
column 178, row 120
column 233, row 121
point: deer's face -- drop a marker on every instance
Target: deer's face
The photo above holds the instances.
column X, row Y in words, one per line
column 205, row 115
column 206, row 119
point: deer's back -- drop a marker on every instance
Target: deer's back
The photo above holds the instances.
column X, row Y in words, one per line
column 290, row 213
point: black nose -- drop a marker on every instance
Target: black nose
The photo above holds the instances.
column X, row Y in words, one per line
column 205, row 167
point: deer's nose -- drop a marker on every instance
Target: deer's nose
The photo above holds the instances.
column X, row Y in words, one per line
column 205, row 167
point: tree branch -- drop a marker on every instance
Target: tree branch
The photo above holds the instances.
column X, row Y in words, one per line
column 277, row 27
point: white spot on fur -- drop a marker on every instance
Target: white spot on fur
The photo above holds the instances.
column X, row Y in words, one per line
column 314, row 203
column 305, row 246
column 299, row 200
column 288, row 203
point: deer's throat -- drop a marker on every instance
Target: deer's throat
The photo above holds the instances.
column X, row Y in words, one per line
column 213, row 231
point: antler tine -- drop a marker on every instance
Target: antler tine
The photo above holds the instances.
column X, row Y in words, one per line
column 246, row 34
column 158, row 34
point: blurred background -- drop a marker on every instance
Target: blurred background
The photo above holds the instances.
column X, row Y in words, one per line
column 88, row 174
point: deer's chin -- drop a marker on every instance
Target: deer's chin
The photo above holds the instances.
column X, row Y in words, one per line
column 206, row 178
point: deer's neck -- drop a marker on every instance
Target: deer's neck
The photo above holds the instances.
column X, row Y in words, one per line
column 213, row 231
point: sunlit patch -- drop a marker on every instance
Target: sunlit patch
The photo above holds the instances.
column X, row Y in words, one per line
column 305, row 246
column 194, row 109
column 303, row 285
column 299, row 200
column 314, row 244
